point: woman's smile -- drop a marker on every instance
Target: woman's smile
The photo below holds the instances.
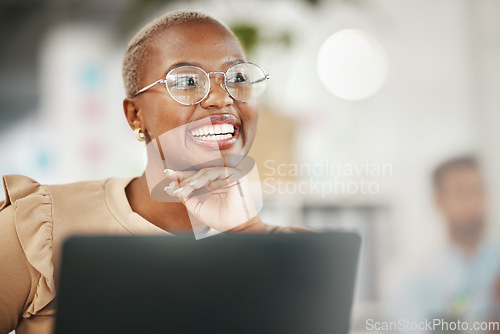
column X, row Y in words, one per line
column 215, row 132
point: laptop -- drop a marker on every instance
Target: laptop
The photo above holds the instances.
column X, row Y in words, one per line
column 266, row 284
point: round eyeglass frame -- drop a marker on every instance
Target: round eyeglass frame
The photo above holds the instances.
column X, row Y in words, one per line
column 266, row 77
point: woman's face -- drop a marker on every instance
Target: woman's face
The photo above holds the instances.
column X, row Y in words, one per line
column 213, row 49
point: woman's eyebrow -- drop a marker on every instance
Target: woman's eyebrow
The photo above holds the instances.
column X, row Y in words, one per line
column 181, row 63
column 233, row 61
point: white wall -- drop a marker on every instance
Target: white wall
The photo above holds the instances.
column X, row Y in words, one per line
column 486, row 56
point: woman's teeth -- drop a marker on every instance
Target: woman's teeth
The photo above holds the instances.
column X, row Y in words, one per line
column 214, row 132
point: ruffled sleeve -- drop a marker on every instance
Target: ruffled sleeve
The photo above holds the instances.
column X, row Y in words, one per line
column 33, row 223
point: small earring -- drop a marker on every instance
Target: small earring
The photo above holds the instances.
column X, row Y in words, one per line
column 138, row 133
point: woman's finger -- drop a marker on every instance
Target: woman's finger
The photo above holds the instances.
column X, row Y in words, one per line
column 180, row 192
column 178, row 176
column 213, row 178
column 184, row 190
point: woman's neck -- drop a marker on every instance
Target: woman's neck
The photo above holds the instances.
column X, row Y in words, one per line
column 169, row 216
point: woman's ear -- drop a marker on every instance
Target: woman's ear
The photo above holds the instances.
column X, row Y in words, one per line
column 132, row 113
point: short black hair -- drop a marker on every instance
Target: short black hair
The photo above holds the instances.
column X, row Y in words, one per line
column 466, row 161
column 136, row 50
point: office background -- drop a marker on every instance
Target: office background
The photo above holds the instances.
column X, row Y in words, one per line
column 428, row 91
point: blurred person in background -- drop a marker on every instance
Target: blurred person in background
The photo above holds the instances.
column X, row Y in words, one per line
column 455, row 279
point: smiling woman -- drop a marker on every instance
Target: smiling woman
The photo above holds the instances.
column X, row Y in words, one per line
column 184, row 45
column 208, row 111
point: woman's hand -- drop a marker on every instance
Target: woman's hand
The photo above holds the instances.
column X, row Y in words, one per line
column 219, row 197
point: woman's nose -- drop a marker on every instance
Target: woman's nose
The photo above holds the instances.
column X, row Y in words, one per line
column 217, row 97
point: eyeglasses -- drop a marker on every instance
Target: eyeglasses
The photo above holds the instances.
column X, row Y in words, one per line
column 190, row 85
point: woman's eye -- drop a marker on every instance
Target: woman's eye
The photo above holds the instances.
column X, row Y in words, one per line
column 239, row 77
column 186, row 82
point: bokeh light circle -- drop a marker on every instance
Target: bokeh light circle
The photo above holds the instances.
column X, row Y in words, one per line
column 352, row 65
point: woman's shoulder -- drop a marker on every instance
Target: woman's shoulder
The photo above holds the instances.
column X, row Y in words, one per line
column 70, row 208
column 19, row 187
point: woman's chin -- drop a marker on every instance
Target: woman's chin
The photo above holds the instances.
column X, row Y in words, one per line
column 216, row 158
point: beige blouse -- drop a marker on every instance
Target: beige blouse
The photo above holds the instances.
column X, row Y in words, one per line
column 35, row 220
